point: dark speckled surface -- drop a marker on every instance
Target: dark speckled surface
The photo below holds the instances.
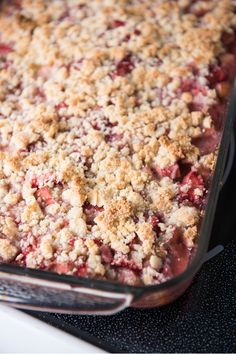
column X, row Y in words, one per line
column 202, row 320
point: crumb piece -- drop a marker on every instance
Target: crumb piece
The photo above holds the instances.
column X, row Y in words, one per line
column 78, row 226
column 46, row 248
column 184, row 216
column 73, row 196
column 147, row 236
column 7, row 250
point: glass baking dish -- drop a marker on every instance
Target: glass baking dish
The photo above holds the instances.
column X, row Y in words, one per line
column 47, row 291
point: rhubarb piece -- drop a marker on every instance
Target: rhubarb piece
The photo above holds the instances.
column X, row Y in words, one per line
column 207, row 142
column 106, row 254
column 45, row 194
column 178, row 255
column 115, row 24
column 192, row 188
column 82, row 270
column 217, row 74
column 91, row 212
column 154, row 220
column 123, row 67
column 4, row 49
column 217, row 113
column 63, row 268
column 171, row 171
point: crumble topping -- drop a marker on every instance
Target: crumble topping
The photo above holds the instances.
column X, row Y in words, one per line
column 110, row 119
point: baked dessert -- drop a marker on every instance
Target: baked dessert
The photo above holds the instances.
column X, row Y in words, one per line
column 110, row 118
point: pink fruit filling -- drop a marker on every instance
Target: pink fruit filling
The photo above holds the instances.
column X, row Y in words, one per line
column 178, row 255
column 123, row 67
column 192, row 188
column 172, row 171
column 111, row 116
column 45, row 195
column 91, row 211
column 207, row 142
column 116, row 23
column 4, row 49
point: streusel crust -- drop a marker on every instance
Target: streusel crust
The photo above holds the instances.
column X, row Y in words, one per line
column 110, row 118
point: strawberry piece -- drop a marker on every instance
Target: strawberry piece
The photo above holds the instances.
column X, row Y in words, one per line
column 82, row 270
column 154, row 220
column 61, row 105
column 228, row 62
column 178, row 255
column 45, row 194
column 40, row 181
column 199, row 89
column 115, row 24
column 217, row 113
column 27, row 250
column 217, row 75
column 91, row 212
column 34, row 182
column 4, row 49
column 229, row 40
column 62, row 268
column 123, row 67
column 193, row 179
column 208, row 141
column 98, row 242
column 187, row 85
column 198, row 92
column 106, row 254
column 72, row 242
column 191, row 85
column 196, row 105
column 126, row 38
column 113, row 137
column 190, row 183
column 137, row 32
column 172, row 171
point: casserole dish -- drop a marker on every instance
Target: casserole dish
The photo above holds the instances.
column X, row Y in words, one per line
column 45, row 291
column 97, row 184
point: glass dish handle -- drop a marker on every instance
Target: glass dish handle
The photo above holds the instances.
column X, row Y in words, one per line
column 45, row 295
column 230, row 159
